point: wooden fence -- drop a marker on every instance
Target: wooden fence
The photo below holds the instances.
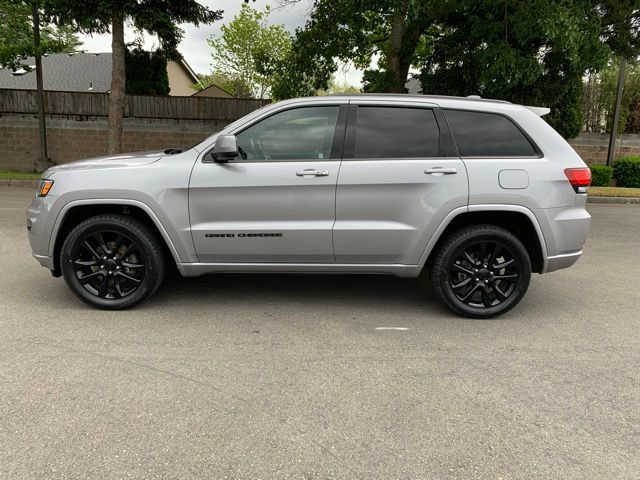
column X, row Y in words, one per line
column 140, row 106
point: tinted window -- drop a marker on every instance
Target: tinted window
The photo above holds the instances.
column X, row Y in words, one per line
column 390, row 132
column 297, row 134
column 480, row 134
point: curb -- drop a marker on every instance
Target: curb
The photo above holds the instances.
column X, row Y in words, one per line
column 19, row 183
column 590, row 199
column 615, row 200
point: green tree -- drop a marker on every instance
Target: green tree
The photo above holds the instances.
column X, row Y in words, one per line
column 146, row 72
column 336, row 87
column 530, row 52
column 64, row 35
column 248, row 51
column 599, row 98
column 24, row 32
column 526, row 51
column 158, row 17
column 339, row 31
column 16, row 35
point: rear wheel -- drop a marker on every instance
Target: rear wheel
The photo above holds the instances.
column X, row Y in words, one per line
column 112, row 261
column 481, row 271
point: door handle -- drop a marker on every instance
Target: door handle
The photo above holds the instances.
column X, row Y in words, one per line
column 311, row 172
column 439, row 171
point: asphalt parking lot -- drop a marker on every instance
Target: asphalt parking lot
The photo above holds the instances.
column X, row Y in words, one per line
column 261, row 376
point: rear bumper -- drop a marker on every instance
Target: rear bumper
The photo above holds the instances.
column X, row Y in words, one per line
column 565, row 232
column 558, row 262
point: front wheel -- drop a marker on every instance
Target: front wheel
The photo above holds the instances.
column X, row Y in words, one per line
column 481, row 271
column 112, row 261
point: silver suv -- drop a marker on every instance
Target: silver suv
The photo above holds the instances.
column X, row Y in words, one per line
column 478, row 194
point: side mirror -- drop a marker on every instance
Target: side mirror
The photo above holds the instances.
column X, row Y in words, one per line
column 225, row 149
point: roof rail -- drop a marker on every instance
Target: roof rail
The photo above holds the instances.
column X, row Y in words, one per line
column 418, row 95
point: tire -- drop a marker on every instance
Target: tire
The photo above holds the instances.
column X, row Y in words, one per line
column 112, row 262
column 481, row 271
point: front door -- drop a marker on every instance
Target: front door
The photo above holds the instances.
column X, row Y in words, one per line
column 400, row 177
column 276, row 202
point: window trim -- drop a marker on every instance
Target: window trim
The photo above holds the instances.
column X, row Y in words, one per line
column 446, row 147
column 538, row 154
column 338, row 135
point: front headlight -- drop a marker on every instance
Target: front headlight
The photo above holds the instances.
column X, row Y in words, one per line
column 44, row 187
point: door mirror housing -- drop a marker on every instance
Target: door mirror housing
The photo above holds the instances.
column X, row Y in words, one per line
column 224, row 150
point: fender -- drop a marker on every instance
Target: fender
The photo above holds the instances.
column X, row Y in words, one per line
column 486, row 208
column 436, row 235
column 111, row 201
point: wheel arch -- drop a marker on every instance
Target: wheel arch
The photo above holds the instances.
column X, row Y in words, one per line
column 514, row 218
column 77, row 211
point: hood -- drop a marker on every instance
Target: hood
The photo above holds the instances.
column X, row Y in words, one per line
column 119, row 160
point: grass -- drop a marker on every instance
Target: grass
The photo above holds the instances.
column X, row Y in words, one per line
column 13, row 175
column 614, row 192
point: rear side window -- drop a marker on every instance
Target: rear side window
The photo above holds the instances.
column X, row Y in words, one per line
column 480, row 134
column 392, row 132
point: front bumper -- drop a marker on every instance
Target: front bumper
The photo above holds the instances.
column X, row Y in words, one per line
column 39, row 225
column 45, row 261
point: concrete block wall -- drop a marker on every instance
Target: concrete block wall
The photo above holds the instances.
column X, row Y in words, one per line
column 592, row 147
column 76, row 137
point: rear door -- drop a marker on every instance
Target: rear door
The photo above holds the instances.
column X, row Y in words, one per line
column 400, row 176
column 505, row 165
column 275, row 203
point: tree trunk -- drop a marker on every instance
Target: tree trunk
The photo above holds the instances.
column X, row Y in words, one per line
column 43, row 161
column 394, row 61
column 118, row 77
column 403, row 41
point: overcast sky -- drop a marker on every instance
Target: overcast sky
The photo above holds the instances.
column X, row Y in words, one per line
column 194, row 46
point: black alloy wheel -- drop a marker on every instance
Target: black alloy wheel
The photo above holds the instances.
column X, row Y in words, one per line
column 112, row 261
column 108, row 264
column 484, row 274
column 481, row 271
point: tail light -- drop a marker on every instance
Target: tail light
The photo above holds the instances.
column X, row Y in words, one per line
column 580, row 178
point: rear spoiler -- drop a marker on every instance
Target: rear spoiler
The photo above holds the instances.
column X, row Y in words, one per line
column 540, row 111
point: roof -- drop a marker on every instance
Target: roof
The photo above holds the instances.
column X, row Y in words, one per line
column 189, row 70
column 76, row 72
column 213, row 86
column 71, row 72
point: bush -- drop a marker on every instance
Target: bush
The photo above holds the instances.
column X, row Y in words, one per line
column 627, row 171
column 146, row 72
column 601, row 175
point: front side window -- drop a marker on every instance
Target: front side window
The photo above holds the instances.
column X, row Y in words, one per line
column 298, row 134
column 481, row 134
column 396, row 132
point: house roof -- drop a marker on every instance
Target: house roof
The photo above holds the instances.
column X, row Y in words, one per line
column 77, row 72
column 189, row 70
column 212, row 87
